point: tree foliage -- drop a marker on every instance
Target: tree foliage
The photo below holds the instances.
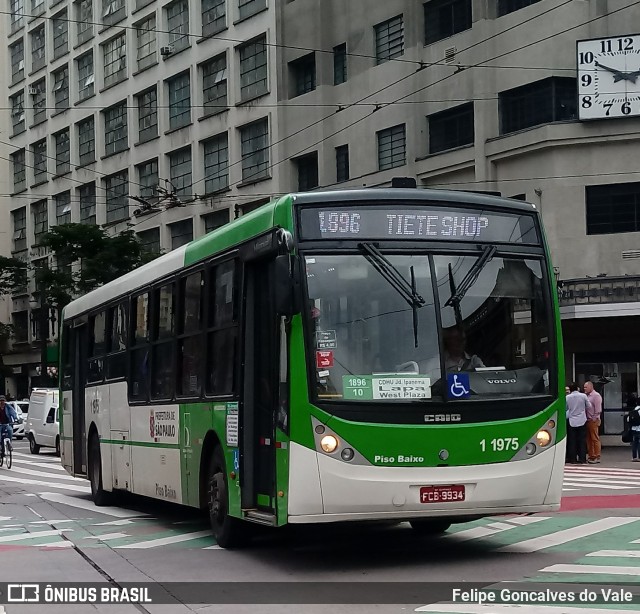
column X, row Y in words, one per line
column 13, row 274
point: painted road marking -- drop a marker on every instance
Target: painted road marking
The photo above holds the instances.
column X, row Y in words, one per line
column 590, row 484
column 48, row 466
column 567, row 535
column 37, row 535
column 165, row 541
column 54, row 460
column 73, row 487
column 84, row 504
column 108, row 536
column 602, row 480
column 602, row 470
column 624, row 554
column 491, row 529
column 44, row 474
column 216, row 547
column 116, row 523
column 472, row 608
column 613, row 570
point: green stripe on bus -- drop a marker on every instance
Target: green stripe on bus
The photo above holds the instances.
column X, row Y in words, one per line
column 143, row 444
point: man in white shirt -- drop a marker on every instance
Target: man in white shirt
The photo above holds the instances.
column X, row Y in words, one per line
column 577, row 405
column 455, row 356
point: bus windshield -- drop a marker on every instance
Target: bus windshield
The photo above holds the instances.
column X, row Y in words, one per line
column 380, row 333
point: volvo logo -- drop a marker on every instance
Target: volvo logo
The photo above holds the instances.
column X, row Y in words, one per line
column 502, row 381
column 442, row 417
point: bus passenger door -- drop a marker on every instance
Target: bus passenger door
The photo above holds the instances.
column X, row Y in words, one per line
column 79, row 342
column 260, row 398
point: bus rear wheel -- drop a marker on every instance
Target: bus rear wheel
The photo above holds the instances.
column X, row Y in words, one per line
column 429, row 527
column 227, row 530
column 99, row 495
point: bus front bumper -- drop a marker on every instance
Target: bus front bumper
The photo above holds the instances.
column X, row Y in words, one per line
column 324, row 489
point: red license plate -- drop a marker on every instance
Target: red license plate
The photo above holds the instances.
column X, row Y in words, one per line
column 442, row 494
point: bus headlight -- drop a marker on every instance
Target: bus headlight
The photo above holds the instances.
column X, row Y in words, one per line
column 329, row 443
column 543, row 438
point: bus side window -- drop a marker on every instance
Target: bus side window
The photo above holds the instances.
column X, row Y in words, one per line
column 140, row 348
column 163, row 334
column 190, row 338
column 68, row 338
column 222, row 330
column 117, row 342
column 97, row 347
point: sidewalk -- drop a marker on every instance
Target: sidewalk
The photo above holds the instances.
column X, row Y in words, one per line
column 618, row 457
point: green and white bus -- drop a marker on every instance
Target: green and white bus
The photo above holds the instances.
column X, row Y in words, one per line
column 385, row 354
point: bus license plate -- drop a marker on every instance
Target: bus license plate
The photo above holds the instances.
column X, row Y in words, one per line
column 442, row 494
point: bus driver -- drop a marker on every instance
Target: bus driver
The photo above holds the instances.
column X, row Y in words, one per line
column 456, row 357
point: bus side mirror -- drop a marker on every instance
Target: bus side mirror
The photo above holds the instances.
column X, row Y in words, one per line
column 286, row 286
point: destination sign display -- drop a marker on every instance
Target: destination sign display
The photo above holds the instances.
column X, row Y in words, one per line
column 417, row 223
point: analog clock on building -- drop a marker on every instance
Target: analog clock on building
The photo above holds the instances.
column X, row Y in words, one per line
column 609, row 77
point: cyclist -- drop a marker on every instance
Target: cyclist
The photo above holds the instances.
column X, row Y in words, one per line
column 8, row 416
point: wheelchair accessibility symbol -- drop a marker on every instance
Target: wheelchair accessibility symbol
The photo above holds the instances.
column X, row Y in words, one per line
column 458, row 385
column 236, row 460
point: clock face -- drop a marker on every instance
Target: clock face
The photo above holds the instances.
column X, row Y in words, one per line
column 609, row 77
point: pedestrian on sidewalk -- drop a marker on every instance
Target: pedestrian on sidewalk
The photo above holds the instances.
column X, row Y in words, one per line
column 577, row 404
column 594, row 415
column 634, row 426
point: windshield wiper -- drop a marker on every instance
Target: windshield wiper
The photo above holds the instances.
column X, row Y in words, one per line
column 458, row 293
column 407, row 290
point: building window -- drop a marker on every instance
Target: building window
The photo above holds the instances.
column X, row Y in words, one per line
column 307, row 167
column 38, row 59
column 178, row 25
column 40, row 215
column 18, row 164
column 39, row 151
column 84, row 20
column 214, row 85
column 342, row 163
column 392, row 147
column 181, row 233
column 541, row 102
column 63, row 208
column 63, row 155
column 214, row 17
column 17, row 61
column 180, row 171
column 87, row 141
column 148, row 178
column 613, row 208
column 86, row 76
column 19, row 229
column 87, row 193
column 113, row 11
column 303, row 75
column 215, row 220
column 216, row 164
column 147, row 115
column 389, row 39
column 115, row 129
column 179, row 101
column 254, row 139
column 451, row 128
column 253, row 69
column 114, row 53
column 509, row 6
column 60, row 34
column 37, row 7
column 17, row 14
column 39, row 101
column 17, row 113
column 117, row 188
column 61, row 88
column 20, row 320
column 146, row 40
column 340, row 64
column 246, row 8
column 444, row 18
column 150, row 240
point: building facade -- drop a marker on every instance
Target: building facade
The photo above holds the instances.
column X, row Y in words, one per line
column 234, row 101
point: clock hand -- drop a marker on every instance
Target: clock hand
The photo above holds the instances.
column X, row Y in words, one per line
column 617, row 74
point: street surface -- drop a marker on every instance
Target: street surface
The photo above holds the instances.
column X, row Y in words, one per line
column 51, row 532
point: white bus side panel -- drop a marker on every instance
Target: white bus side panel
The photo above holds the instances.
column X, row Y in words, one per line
column 66, row 447
column 98, row 412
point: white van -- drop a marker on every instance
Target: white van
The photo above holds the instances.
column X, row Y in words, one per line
column 43, row 427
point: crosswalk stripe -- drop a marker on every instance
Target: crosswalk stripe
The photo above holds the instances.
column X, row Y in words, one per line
column 52, row 459
column 602, row 470
column 622, row 479
column 623, row 554
column 472, row 608
column 590, row 484
column 488, row 530
column 44, row 474
column 165, row 541
column 567, row 535
column 613, row 570
column 37, row 535
column 74, row 487
column 108, row 536
column 49, row 466
column 117, row 512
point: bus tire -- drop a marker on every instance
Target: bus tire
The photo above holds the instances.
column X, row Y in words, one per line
column 228, row 531
column 99, row 495
column 429, row 527
column 34, row 448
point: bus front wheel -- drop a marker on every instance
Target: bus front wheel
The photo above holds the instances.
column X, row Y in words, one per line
column 99, row 495
column 429, row 527
column 227, row 530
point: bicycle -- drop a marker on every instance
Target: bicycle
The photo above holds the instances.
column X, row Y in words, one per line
column 6, row 451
